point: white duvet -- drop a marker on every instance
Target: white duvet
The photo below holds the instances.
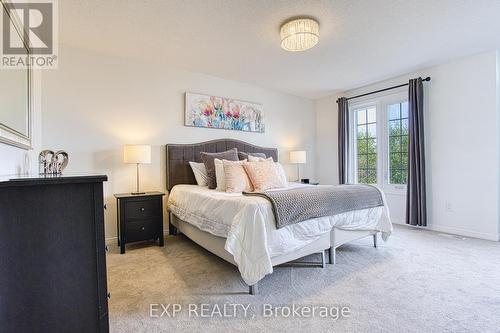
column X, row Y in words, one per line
column 249, row 226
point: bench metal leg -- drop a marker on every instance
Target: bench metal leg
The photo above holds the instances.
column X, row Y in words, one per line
column 323, row 259
column 375, row 240
column 332, row 253
column 253, row 290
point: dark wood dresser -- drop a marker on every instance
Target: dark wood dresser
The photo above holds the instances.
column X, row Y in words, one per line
column 52, row 255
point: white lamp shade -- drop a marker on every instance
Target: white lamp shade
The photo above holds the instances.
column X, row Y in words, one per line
column 137, row 154
column 298, row 157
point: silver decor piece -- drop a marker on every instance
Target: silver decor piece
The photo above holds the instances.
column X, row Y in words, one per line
column 51, row 163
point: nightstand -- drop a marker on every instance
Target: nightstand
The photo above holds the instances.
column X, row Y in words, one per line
column 139, row 218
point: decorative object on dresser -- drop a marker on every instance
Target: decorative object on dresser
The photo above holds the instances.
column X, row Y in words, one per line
column 298, row 157
column 53, row 266
column 223, row 113
column 137, row 154
column 50, row 163
column 139, row 218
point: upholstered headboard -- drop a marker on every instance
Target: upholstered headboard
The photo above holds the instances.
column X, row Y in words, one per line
column 179, row 155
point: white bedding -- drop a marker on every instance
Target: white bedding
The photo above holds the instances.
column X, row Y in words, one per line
column 249, row 226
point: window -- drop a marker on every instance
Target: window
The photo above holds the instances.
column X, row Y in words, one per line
column 398, row 142
column 366, row 139
column 379, row 137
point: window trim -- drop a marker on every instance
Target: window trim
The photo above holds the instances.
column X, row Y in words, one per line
column 353, row 140
column 381, row 103
column 387, row 184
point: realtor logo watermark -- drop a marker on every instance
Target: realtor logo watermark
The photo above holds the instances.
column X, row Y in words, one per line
column 29, row 34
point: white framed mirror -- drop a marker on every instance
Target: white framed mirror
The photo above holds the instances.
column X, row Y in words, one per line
column 16, row 100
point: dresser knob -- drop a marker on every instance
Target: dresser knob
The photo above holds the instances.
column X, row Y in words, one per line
column 142, row 228
column 142, row 209
column 106, row 248
column 105, row 206
column 109, row 295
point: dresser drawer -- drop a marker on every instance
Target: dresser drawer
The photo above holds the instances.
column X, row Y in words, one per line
column 141, row 230
column 142, row 209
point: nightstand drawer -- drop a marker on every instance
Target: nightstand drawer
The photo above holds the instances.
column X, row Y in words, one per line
column 142, row 209
column 141, row 230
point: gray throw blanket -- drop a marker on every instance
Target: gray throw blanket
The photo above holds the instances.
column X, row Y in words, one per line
column 294, row 205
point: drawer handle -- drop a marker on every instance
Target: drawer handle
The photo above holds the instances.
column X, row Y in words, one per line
column 109, row 295
column 142, row 209
column 106, row 248
column 142, row 228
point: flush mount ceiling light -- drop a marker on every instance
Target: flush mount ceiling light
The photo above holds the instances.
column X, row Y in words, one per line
column 299, row 34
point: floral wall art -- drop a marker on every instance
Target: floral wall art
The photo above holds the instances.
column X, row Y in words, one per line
column 225, row 113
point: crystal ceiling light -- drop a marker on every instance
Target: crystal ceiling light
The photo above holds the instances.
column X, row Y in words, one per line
column 299, row 34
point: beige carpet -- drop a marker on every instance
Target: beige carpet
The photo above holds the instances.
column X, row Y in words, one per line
column 419, row 281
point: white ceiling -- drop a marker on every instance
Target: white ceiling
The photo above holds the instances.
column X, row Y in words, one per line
column 360, row 41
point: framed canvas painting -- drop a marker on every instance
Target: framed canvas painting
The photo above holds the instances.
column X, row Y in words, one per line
column 224, row 113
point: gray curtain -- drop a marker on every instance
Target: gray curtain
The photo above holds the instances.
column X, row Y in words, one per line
column 416, row 210
column 343, row 140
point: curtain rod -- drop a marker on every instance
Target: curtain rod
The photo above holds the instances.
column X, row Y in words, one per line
column 385, row 89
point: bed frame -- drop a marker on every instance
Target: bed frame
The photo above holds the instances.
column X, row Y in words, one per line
column 178, row 171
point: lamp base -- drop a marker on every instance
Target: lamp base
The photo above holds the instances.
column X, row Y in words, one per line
column 138, row 193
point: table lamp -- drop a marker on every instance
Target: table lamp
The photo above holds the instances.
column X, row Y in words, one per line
column 298, row 157
column 137, row 154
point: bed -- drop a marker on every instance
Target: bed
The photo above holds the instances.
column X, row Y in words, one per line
column 241, row 229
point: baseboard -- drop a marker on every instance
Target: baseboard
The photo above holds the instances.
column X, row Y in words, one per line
column 454, row 231
column 114, row 240
column 466, row 233
column 437, row 228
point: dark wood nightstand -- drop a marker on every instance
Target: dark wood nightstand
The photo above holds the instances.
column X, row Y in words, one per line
column 139, row 218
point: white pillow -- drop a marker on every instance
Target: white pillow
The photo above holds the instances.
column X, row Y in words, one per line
column 200, row 173
column 220, row 176
column 256, row 158
column 281, row 173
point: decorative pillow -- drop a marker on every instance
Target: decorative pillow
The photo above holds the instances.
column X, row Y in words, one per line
column 246, row 156
column 281, row 173
column 220, row 177
column 237, row 180
column 208, row 160
column 258, row 158
column 200, row 173
column 279, row 167
column 263, row 175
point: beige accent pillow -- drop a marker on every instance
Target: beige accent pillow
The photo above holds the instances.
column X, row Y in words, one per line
column 279, row 167
column 237, row 180
column 263, row 175
column 220, row 177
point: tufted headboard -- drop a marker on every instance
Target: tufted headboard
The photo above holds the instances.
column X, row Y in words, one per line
column 179, row 156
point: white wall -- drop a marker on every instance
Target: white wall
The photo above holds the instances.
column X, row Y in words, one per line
column 462, row 145
column 327, row 169
column 16, row 161
column 498, row 113
column 94, row 104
